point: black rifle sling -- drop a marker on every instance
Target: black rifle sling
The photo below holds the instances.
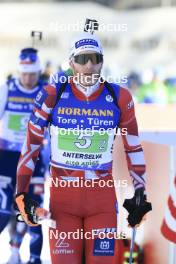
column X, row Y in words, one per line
column 107, row 85
column 111, row 91
column 61, row 90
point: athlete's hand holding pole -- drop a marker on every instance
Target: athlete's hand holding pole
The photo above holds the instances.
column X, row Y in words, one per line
column 30, row 211
column 137, row 208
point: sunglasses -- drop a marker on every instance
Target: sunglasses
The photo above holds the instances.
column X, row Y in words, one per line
column 82, row 59
column 31, row 56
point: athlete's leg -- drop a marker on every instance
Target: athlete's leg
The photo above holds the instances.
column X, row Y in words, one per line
column 17, row 231
column 6, row 199
column 36, row 241
column 66, row 210
column 4, row 219
column 101, row 249
column 8, row 161
column 36, row 192
column 17, row 234
column 64, row 246
column 101, row 221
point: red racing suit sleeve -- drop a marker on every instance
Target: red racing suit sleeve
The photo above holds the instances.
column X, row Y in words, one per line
column 129, row 131
column 43, row 105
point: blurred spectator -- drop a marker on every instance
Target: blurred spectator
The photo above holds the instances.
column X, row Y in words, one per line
column 153, row 89
column 171, row 85
column 134, row 83
column 48, row 70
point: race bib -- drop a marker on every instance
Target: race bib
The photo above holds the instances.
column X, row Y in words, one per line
column 77, row 149
column 17, row 122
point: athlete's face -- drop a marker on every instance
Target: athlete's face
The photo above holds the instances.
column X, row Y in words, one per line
column 87, row 74
column 29, row 80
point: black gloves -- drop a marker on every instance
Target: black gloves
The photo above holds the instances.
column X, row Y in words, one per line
column 27, row 208
column 137, row 207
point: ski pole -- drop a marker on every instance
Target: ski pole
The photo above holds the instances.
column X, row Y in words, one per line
column 132, row 245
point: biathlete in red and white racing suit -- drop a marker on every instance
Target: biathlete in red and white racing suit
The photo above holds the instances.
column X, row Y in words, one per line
column 83, row 120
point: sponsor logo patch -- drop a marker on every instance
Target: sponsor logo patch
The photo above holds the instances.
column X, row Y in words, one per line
column 109, row 98
column 104, row 247
column 130, row 105
column 65, row 95
column 85, row 42
column 40, row 98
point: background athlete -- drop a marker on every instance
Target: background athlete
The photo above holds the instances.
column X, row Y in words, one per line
column 16, row 103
